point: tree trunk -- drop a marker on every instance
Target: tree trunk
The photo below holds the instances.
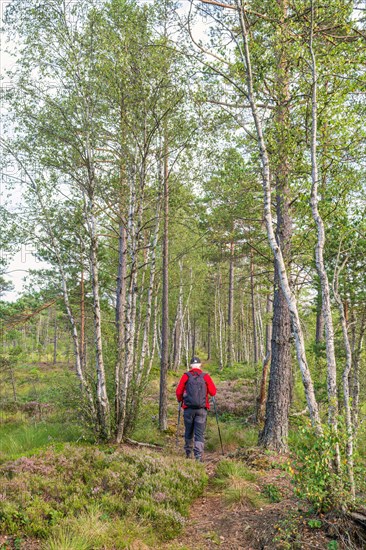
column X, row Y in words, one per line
column 230, row 314
column 164, row 364
column 140, row 297
column 208, row 336
column 142, row 373
column 255, row 337
column 102, row 397
column 319, row 334
column 356, row 356
column 82, row 320
column 218, row 322
column 177, row 332
column 259, row 320
column 120, row 317
column 154, row 331
column 266, row 362
column 55, row 337
column 282, row 272
column 194, row 337
column 275, row 431
column 345, row 379
column 319, row 249
column 134, row 214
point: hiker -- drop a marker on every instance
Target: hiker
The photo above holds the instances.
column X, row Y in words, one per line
column 193, row 392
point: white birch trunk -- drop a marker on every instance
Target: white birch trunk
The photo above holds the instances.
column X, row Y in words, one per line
column 154, row 331
column 319, row 249
column 177, row 330
column 345, row 380
column 356, row 373
column 150, row 294
column 129, row 331
column 120, row 315
column 266, row 183
column 102, row 397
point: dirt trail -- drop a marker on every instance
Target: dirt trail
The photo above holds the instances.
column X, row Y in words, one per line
column 212, row 523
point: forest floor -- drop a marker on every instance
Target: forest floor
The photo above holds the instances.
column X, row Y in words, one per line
column 244, row 500
column 215, row 522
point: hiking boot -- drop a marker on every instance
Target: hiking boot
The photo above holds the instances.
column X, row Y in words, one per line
column 188, row 455
column 198, row 458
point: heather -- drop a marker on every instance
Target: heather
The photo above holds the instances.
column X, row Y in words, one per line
column 45, row 494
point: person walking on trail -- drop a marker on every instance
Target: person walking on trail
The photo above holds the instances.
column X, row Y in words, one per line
column 193, row 392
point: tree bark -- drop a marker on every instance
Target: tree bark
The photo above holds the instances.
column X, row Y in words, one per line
column 319, row 334
column 356, row 356
column 102, row 397
column 177, row 332
column 283, row 277
column 345, row 380
column 164, row 364
column 120, row 317
column 218, row 322
column 141, row 374
column 319, row 249
column 230, row 315
column 134, row 214
column 82, row 319
column 261, row 402
column 275, row 431
column 208, row 336
column 154, row 330
column 55, row 337
column 194, row 337
column 255, row 336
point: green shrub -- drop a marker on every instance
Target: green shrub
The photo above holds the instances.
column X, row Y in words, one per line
column 313, row 473
column 288, row 535
column 272, row 492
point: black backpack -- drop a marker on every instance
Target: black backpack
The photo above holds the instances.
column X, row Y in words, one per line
column 195, row 391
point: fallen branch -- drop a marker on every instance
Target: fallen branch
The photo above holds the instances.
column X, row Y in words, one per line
column 301, row 413
column 358, row 518
column 140, row 444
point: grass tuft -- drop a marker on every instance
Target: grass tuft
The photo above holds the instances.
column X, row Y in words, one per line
column 29, row 437
column 237, row 483
column 241, row 492
column 227, row 469
column 232, row 435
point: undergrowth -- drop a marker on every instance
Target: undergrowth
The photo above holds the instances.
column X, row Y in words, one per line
column 19, row 440
column 71, row 490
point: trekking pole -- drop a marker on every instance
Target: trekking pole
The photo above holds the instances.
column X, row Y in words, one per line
column 218, row 426
column 179, row 409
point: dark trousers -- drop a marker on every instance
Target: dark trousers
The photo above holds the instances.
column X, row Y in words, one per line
column 195, row 424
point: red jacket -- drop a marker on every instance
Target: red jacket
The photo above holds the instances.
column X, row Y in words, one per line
column 211, row 388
